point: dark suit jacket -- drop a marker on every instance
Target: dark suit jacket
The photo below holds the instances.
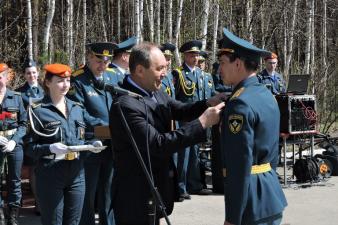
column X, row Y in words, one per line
column 131, row 190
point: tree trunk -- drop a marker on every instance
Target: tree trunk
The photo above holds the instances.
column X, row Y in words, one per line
column 49, row 20
column 29, row 30
column 118, row 35
column 84, row 24
column 158, row 21
column 104, row 26
column 291, row 38
column 141, row 21
column 204, row 23
column 215, row 29
column 170, row 20
column 137, row 20
column 248, row 26
column 35, row 28
column 308, row 35
column 324, row 53
column 177, row 30
column 69, row 36
column 150, row 12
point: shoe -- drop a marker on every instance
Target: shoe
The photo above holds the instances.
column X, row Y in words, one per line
column 201, row 192
column 13, row 216
column 185, row 196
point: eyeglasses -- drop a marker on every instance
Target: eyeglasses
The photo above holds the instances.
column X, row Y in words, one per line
column 272, row 63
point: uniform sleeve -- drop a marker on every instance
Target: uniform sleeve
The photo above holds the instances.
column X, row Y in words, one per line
column 32, row 147
column 22, row 123
column 161, row 144
column 237, row 145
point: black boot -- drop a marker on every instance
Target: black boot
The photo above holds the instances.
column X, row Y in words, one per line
column 13, row 215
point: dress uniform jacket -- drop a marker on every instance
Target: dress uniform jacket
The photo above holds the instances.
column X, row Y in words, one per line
column 208, row 87
column 250, row 128
column 168, row 85
column 28, row 92
column 188, row 84
column 274, row 83
column 96, row 101
column 132, row 191
column 13, row 126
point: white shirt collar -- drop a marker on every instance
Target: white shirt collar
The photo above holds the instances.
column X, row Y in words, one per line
column 136, row 85
column 190, row 68
column 119, row 68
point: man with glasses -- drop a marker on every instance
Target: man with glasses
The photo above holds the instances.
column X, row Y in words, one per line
column 272, row 80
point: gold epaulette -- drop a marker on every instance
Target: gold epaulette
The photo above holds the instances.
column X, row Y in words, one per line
column 77, row 72
column 237, row 93
column 111, row 70
column 79, row 104
column 188, row 91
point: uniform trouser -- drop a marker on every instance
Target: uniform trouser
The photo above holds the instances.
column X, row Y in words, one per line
column 188, row 169
column 216, row 164
column 272, row 220
column 60, row 187
column 14, row 165
column 99, row 176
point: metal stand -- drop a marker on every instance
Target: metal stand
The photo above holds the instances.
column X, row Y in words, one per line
column 156, row 195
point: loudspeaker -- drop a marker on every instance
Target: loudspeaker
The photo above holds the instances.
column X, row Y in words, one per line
column 298, row 113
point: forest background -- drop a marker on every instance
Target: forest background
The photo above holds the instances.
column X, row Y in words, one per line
column 303, row 33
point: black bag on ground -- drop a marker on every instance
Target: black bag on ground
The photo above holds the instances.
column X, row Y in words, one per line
column 306, row 170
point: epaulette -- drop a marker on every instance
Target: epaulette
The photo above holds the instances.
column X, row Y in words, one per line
column 77, row 72
column 111, row 70
column 17, row 93
column 35, row 105
column 237, row 93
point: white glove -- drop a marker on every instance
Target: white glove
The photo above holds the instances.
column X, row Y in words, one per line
column 3, row 141
column 58, row 148
column 96, row 144
column 9, row 147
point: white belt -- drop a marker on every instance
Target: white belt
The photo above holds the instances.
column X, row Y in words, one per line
column 68, row 156
column 8, row 132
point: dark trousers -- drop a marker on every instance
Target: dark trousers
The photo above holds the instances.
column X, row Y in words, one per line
column 14, row 165
column 99, row 176
column 60, row 187
column 194, row 179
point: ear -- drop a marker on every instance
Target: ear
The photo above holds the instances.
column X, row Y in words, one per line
column 139, row 70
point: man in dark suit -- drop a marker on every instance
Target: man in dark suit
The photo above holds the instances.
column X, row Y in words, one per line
column 249, row 134
column 149, row 119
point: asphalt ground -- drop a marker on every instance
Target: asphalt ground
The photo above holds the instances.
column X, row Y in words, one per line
column 315, row 203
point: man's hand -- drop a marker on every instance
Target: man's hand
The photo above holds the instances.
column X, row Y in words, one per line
column 211, row 116
column 227, row 223
column 9, row 147
column 58, row 148
column 215, row 100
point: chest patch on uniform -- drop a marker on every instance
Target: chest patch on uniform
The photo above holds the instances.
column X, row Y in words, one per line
column 210, row 83
column 235, row 122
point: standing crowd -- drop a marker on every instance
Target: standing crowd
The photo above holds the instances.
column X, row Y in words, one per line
column 175, row 115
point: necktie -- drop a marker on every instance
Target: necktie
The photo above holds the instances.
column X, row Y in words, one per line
column 35, row 90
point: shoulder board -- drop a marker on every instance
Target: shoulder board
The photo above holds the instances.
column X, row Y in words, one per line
column 35, row 105
column 237, row 93
column 16, row 93
column 110, row 69
column 77, row 72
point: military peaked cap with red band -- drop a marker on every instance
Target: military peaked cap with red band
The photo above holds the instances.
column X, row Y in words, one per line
column 3, row 67
column 59, row 70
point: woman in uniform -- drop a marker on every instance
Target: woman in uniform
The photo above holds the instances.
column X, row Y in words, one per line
column 12, row 129
column 56, row 123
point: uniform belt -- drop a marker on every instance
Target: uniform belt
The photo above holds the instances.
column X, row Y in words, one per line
column 68, row 156
column 8, row 132
column 255, row 169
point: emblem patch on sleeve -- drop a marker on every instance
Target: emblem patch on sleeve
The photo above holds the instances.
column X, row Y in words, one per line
column 235, row 122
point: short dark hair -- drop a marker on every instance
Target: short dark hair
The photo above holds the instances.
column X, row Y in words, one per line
column 249, row 64
column 140, row 55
